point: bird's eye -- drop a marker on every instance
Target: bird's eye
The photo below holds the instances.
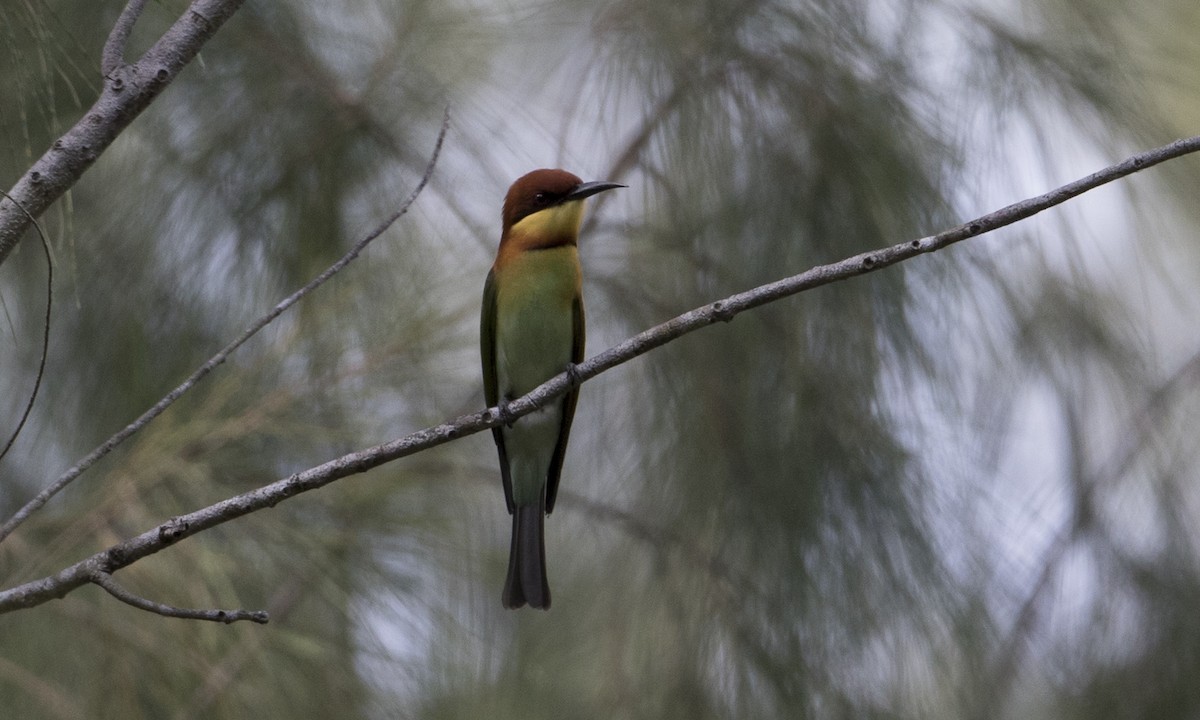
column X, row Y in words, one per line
column 540, row 198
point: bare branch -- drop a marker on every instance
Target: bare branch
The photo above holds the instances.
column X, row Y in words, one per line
column 106, row 581
column 126, row 553
column 128, row 90
column 113, row 55
column 108, row 445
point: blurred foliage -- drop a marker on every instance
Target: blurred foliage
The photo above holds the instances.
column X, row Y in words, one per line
column 957, row 488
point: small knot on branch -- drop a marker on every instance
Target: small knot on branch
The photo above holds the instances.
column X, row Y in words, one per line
column 172, row 530
column 721, row 311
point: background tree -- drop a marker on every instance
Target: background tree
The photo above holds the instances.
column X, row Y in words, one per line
column 957, row 487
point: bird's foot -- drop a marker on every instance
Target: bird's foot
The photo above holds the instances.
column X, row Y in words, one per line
column 505, row 413
column 573, row 375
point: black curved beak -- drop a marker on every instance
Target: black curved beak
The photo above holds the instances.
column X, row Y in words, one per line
column 588, row 189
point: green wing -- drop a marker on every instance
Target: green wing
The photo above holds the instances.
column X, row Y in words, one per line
column 568, row 407
column 491, row 393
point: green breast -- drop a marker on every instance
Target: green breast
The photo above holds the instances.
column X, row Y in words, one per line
column 534, row 319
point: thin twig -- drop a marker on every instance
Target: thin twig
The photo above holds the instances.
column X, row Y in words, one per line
column 106, row 581
column 113, row 54
column 130, row 551
column 41, row 371
column 108, row 445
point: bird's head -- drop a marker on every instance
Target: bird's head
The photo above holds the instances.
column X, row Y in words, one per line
column 546, row 206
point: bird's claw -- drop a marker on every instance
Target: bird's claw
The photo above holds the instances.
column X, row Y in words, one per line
column 573, row 375
column 505, row 413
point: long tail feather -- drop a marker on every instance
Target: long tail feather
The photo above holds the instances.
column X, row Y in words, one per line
column 526, row 582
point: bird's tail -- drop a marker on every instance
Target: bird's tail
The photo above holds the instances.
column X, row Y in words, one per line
column 526, row 581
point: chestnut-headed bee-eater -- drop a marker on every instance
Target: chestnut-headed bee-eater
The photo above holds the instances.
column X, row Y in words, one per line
column 531, row 329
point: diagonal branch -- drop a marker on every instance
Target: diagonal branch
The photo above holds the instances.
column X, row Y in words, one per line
column 110, row 444
column 152, row 541
column 128, row 90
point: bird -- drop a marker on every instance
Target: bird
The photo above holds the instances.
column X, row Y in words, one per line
column 531, row 329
